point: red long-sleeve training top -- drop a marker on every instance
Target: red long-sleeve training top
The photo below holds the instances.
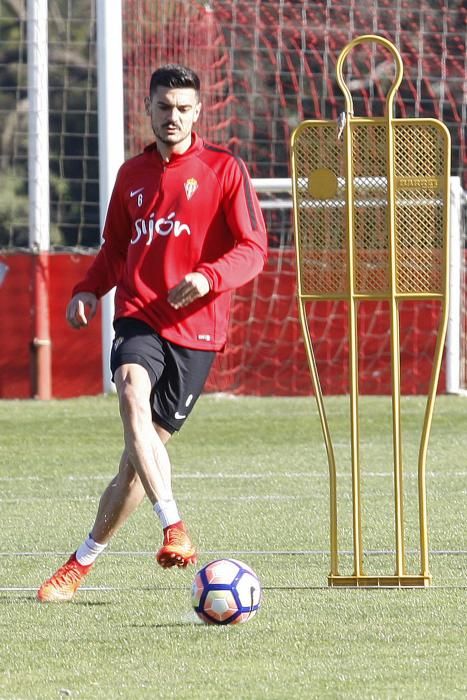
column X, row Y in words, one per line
column 197, row 212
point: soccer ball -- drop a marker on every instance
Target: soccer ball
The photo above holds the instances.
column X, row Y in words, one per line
column 226, row 592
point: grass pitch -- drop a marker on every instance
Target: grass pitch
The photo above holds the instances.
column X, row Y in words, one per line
column 251, row 480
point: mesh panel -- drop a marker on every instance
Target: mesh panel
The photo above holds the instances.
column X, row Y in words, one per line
column 420, row 165
column 321, row 222
column 419, row 162
column 370, row 231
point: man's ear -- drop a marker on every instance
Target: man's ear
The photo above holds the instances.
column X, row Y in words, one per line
column 147, row 105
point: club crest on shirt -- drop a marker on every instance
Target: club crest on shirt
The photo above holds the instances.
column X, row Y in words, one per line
column 191, row 185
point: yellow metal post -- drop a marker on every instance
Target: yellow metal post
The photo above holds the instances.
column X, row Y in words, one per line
column 371, row 223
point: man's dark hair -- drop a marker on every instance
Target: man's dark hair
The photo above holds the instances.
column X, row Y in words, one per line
column 174, row 76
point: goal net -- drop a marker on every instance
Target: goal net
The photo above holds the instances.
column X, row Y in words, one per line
column 265, row 66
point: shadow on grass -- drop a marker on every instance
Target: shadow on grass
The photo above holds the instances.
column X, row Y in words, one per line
column 8, row 599
column 167, row 625
column 15, row 599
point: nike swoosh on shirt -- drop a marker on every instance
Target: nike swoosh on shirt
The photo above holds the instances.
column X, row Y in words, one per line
column 133, row 193
column 179, row 416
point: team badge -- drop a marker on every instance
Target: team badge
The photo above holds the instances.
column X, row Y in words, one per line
column 191, row 185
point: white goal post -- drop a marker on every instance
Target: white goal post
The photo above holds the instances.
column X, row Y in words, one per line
column 111, row 140
column 455, row 341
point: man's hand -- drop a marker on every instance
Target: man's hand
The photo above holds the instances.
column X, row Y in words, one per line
column 81, row 309
column 193, row 286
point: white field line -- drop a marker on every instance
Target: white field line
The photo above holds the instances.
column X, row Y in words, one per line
column 286, row 587
column 217, row 476
column 276, row 498
column 180, row 496
column 249, row 552
column 242, row 476
column 220, row 553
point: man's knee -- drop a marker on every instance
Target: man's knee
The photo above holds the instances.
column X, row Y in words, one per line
column 134, row 391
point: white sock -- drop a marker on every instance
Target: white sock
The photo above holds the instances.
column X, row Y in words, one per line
column 167, row 512
column 88, row 552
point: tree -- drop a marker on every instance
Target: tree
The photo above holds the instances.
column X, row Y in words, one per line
column 73, row 144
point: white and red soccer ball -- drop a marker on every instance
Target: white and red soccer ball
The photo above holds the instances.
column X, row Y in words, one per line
column 226, row 592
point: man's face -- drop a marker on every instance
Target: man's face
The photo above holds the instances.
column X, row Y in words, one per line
column 173, row 112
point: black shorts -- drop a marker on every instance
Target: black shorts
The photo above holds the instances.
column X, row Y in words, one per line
column 177, row 374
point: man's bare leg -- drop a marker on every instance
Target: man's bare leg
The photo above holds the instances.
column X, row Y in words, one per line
column 147, row 453
column 144, row 469
column 143, row 445
column 121, row 497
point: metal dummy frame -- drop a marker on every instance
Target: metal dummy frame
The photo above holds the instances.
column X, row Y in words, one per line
column 371, row 222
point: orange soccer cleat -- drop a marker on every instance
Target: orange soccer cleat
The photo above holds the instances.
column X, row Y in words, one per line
column 62, row 586
column 177, row 549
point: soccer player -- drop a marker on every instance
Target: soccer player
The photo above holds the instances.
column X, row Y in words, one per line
column 183, row 230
